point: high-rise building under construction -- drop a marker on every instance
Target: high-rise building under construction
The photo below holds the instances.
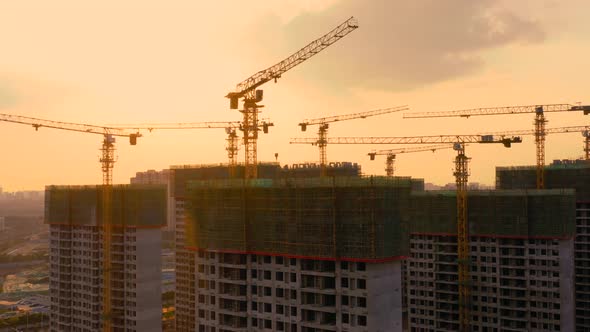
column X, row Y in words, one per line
column 521, row 266
column 325, row 254
column 290, row 252
column 573, row 174
column 74, row 216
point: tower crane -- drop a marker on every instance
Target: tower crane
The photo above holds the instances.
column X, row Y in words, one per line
column 323, row 128
column 391, row 154
column 107, row 161
column 461, row 174
column 247, row 89
column 230, row 127
column 539, row 123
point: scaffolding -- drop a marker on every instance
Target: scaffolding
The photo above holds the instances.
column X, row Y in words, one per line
column 499, row 213
column 560, row 174
column 330, row 218
column 132, row 205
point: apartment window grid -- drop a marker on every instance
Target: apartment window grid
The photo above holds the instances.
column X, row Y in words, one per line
column 278, row 293
column 582, row 263
column 504, row 273
column 76, row 277
column 185, row 274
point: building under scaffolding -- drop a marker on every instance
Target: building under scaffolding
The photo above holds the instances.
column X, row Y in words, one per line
column 300, row 254
column 332, row 218
column 185, row 300
column 521, row 244
column 74, row 215
column 253, row 278
column 573, row 174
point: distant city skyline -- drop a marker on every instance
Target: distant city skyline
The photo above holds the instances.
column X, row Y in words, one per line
column 163, row 62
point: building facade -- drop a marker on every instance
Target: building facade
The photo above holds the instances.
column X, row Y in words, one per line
column 564, row 174
column 76, row 257
column 227, row 281
column 522, row 268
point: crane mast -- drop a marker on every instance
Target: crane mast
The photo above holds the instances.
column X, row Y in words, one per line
column 232, row 150
column 107, row 161
column 322, row 142
column 539, row 124
column 247, row 90
column 463, row 255
column 461, row 174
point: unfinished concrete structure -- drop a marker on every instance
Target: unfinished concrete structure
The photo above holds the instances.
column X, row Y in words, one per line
column 289, row 253
column 158, row 177
column 185, row 259
column 522, row 271
column 564, row 174
column 323, row 254
column 74, row 214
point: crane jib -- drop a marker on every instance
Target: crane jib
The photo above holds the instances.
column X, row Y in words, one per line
column 274, row 72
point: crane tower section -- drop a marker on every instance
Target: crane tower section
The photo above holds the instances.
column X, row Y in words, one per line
column 323, row 125
column 247, row 89
column 539, row 123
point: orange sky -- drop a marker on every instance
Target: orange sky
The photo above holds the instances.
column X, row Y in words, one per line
column 174, row 61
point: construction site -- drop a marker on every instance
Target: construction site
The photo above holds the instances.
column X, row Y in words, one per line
column 323, row 246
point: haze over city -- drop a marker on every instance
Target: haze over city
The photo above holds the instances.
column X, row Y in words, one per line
column 138, row 62
column 220, row 166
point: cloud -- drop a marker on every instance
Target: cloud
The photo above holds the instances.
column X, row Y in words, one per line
column 405, row 44
column 8, row 95
column 22, row 92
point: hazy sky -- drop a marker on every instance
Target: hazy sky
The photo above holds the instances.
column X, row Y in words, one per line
column 143, row 61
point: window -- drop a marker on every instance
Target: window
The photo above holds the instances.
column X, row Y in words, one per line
column 361, row 266
column 344, row 265
column 361, row 283
column 362, row 302
column 345, row 318
column 362, row 320
column 344, row 282
column 267, row 307
column 279, row 276
column 344, row 300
